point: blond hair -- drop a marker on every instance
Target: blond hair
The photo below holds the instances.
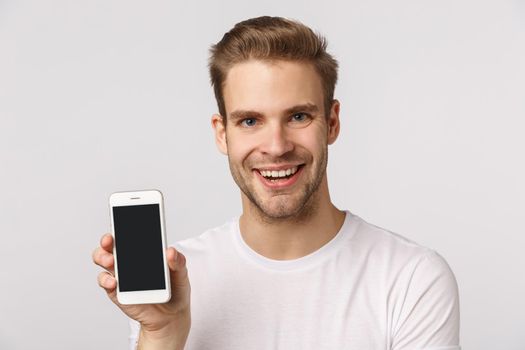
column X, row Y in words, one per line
column 271, row 38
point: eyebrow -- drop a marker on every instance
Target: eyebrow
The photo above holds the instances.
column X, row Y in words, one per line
column 306, row 107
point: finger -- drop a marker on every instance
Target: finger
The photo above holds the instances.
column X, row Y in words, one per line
column 178, row 269
column 103, row 259
column 109, row 284
column 106, row 242
column 107, row 281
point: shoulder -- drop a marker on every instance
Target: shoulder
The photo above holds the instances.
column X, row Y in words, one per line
column 371, row 236
column 386, row 247
column 399, row 262
column 420, row 288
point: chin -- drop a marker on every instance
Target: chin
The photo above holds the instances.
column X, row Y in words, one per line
column 282, row 210
column 278, row 213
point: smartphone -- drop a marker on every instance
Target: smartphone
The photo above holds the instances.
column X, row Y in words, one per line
column 139, row 249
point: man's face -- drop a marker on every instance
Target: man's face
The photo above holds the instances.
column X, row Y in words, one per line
column 276, row 134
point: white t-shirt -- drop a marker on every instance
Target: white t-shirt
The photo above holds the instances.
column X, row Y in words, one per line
column 365, row 289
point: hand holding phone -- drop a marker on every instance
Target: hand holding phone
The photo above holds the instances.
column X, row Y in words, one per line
column 163, row 325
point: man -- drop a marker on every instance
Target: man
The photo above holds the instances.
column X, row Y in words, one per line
column 293, row 272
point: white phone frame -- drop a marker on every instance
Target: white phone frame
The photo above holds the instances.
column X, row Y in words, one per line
column 129, row 198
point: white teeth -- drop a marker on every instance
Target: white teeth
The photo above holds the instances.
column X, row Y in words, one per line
column 278, row 173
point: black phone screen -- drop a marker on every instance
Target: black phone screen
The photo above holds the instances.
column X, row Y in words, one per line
column 138, row 242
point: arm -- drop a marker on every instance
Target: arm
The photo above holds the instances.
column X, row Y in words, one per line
column 429, row 308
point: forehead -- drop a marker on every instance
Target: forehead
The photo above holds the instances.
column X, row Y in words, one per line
column 271, row 86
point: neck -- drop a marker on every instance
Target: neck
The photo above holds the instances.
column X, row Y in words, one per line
column 294, row 237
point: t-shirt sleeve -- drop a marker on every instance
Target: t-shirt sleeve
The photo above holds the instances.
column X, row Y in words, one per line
column 134, row 328
column 429, row 307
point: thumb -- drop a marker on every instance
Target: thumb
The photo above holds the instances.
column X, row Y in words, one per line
column 178, row 269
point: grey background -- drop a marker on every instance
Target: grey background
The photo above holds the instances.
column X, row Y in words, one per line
column 101, row 96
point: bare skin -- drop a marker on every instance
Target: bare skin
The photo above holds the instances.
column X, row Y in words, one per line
column 163, row 326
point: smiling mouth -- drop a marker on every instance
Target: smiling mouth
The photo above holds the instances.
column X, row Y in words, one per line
column 281, row 175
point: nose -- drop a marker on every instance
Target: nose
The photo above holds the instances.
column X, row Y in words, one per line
column 276, row 141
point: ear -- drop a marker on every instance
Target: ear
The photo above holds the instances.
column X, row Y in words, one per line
column 333, row 122
column 218, row 123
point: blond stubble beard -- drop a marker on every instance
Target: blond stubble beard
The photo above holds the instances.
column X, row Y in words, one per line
column 308, row 201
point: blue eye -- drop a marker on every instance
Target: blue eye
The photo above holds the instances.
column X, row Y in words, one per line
column 248, row 122
column 299, row 117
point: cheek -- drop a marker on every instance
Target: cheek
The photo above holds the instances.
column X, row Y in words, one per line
column 239, row 147
column 313, row 142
